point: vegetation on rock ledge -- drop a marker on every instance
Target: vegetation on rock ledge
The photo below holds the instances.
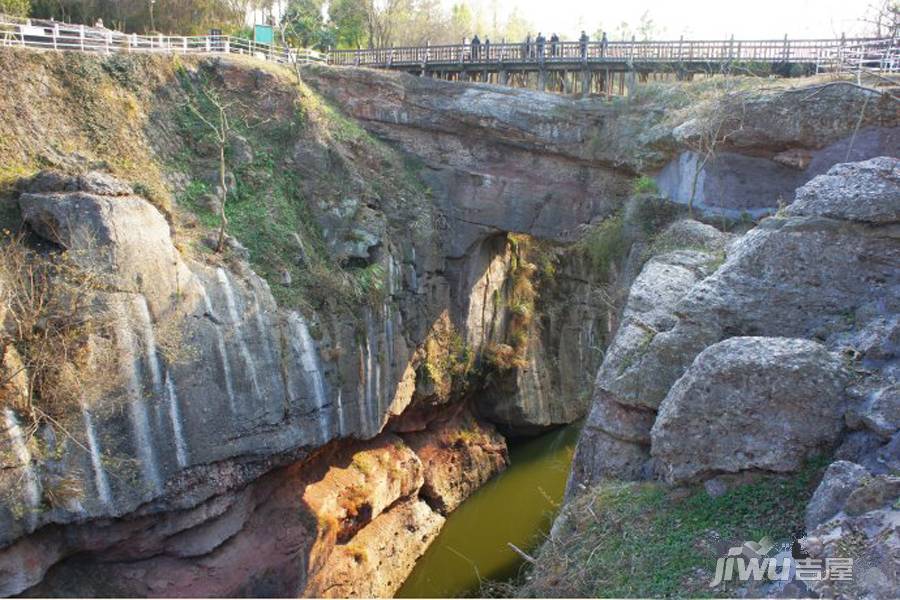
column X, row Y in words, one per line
column 643, row 539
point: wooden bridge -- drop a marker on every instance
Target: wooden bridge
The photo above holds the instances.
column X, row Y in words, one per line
column 601, row 67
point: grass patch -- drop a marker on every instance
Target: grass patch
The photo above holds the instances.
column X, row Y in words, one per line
column 605, row 244
column 269, row 210
column 647, row 540
column 644, row 185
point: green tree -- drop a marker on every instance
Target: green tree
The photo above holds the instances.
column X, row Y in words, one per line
column 461, row 22
column 16, row 8
column 349, row 20
column 142, row 16
column 304, row 23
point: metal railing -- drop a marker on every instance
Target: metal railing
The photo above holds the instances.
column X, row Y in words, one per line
column 49, row 35
column 827, row 53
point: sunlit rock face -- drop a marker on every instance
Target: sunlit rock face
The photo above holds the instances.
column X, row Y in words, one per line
column 215, row 388
column 808, row 294
column 224, row 413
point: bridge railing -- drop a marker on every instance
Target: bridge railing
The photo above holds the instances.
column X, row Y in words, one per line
column 49, row 35
column 814, row 51
column 869, row 55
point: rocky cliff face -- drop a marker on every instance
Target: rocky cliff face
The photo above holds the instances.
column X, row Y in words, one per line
column 221, row 406
column 351, row 408
column 786, row 351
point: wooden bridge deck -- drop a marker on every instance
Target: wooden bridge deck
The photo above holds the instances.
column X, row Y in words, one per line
column 594, row 65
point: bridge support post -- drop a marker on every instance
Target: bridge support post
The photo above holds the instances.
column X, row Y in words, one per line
column 504, row 77
column 542, row 80
column 585, row 82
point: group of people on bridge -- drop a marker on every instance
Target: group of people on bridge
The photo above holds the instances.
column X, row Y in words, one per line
column 536, row 48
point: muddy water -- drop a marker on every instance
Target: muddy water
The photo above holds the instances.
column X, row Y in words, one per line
column 516, row 506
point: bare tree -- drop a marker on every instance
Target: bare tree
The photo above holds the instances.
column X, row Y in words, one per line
column 220, row 128
column 724, row 118
column 882, row 19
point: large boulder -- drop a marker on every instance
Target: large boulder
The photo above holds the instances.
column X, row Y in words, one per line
column 873, row 198
column 750, row 403
column 823, row 270
column 615, row 441
column 108, row 231
column 800, row 275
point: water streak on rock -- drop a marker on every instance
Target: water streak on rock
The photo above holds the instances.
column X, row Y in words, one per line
column 143, row 313
column 32, row 487
column 340, row 412
column 223, row 353
column 137, row 406
column 175, row 416
column 231, row 303
column 100, row 480
column 305, row 348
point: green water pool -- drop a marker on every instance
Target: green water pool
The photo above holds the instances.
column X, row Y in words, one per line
column 517, row 506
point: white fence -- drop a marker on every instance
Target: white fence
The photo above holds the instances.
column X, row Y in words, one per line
column 874, row 56
column 49, row 35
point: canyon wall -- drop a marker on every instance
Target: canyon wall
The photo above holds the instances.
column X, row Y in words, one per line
column 298, row 414
column 222, row 403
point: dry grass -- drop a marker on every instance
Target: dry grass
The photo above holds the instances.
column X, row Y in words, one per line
column 58, row 353
column 521, row 295
column 447, row 360
column 74, row 112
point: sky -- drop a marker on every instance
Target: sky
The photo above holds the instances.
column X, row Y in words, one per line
column 697, row 19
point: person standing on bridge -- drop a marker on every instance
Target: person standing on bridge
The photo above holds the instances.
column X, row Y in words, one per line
column 526, row 48
column 476, row 46
column 539, row 41
column 583, row 43
column 554, row 45
column 463, row 52
column 487, row 49
column 603, row 44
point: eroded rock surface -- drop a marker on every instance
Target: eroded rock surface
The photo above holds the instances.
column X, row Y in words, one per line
column 771, row 144
column 855, row 515
column 750, row 403
column 817, row 273
column 174, row 443
column 615, row 441
column 459, row 454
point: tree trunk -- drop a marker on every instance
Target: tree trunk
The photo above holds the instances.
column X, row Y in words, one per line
column 220, row 246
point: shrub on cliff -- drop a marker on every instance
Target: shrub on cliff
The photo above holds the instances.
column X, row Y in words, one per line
column 55, row 349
